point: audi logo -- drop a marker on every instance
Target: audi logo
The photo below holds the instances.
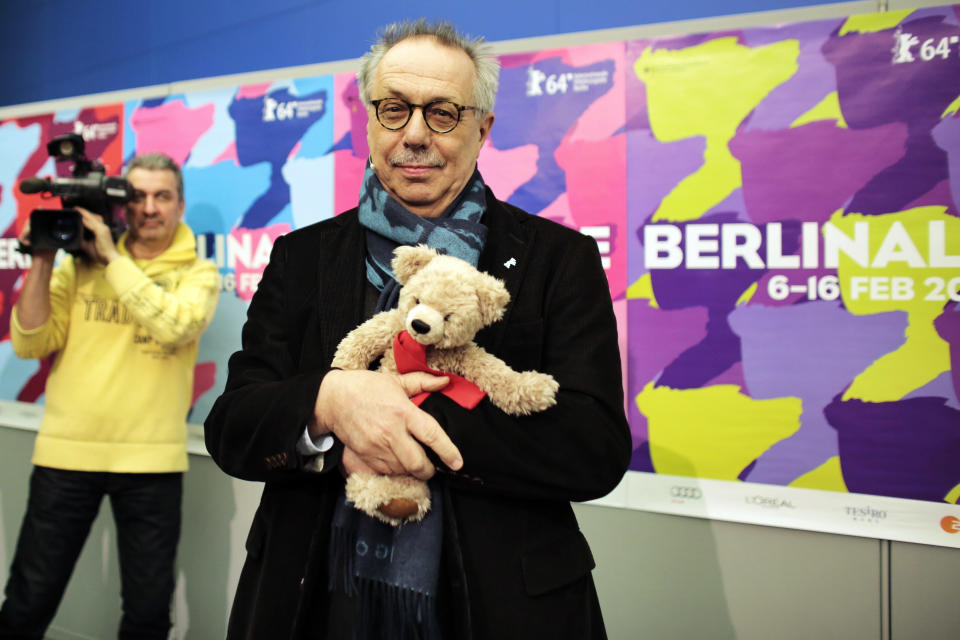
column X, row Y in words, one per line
column 688, row 493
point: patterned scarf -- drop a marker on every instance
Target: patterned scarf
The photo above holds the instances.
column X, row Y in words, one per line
column 458, row 232
column 393, row 573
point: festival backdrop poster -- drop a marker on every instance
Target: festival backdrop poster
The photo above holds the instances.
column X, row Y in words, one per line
column 794, row 274
column 557, row 148
column 775, row 210
column 257, row 164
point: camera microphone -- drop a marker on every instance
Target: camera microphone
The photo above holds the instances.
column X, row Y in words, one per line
column 35, row 185
column 116, row 188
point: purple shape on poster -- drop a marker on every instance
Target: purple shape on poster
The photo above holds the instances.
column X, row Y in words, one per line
column 269, row 136
column 947, row 325
column 653, row 170
column 675, row 43
column 733, row 203
column 641, row 460
column 717, row 290
column 656, row 337
column 812, row 81
column 939, row 196
column 905, row 449
column 947, row 136
column 636, row 114
column 717, row 352
column 939, row 387
column 734, row 376
column 880, row 81
column 815, row 170
column 809, row 351
column 542, row 120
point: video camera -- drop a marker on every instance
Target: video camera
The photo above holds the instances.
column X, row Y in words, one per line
column 88, row 188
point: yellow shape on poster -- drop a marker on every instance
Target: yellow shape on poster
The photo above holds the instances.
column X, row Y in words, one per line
column 713, row 432
column 874, row 22
column 826, row 477
column 642, row 289
column 905, row 261
column 707, row 90
column 826, row 109
column 951, row 109
column 747, row 294
column 953, row 496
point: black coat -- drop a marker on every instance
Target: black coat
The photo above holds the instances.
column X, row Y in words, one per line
column 515, row 562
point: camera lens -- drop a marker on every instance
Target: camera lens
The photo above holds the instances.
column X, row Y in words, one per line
column 64, row 230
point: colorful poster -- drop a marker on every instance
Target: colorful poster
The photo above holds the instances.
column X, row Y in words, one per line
column 23, row 154
column 557, row 148
column 794, row 272
column 257, row 163
column 776, row 211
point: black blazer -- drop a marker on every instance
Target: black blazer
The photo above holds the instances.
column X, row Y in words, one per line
column 514, row 559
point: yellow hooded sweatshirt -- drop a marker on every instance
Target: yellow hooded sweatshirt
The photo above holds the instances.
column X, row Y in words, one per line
column 126, row 335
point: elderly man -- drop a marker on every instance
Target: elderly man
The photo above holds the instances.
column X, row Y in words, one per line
column 500, row 554
column 124, row 320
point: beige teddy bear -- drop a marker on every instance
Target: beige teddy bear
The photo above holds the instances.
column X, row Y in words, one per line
column 443, row 302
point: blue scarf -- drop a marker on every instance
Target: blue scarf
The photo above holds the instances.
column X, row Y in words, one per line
column 458, row 232
column 393, row 572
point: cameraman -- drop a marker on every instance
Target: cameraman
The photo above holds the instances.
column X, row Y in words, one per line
column 124, row 320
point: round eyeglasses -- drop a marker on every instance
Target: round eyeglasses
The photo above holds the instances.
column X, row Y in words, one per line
column 442, row 116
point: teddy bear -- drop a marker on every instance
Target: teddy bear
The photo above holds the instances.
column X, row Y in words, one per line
column 443, row 302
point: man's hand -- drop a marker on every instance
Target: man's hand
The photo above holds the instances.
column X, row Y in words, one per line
column 101, row 248
column 33, row 307
column 371, row 414
column 353, row 464
column 46, row 255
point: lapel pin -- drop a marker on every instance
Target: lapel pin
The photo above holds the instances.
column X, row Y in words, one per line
column 509, row 263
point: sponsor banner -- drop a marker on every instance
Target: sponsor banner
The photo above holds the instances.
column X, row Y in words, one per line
column 777, row 506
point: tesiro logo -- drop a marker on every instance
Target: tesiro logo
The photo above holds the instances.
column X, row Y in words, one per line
column 865, row 514
column 950, row 524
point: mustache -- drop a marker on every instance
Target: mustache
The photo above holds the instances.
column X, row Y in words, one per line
column 422, row 158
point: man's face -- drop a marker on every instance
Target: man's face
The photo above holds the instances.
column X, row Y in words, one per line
column 424, row 170
column 156, row 208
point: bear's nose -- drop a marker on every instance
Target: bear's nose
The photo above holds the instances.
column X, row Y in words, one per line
column 420, row 326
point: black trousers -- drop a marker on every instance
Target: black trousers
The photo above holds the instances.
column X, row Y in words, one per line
column 60, row 511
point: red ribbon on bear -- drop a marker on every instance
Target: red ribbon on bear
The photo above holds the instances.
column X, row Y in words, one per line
column 410, row 355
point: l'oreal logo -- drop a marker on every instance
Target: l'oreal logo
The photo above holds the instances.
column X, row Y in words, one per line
column 769, row 502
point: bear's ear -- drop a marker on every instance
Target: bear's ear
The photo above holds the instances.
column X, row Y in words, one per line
column 408, row 260
column 493, row 298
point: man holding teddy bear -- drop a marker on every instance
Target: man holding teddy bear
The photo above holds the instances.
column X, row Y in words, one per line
column 498, row 555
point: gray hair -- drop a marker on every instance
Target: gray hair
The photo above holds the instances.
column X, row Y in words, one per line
column 486, row 65
column 157, row 162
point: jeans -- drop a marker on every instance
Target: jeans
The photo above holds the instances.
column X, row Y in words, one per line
column 60, row 511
